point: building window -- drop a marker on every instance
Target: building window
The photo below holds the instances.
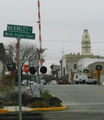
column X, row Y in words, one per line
column 75, row 66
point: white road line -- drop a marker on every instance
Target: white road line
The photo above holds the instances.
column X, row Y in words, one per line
column 83, row 103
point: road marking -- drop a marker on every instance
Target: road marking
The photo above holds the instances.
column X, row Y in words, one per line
column 83, row 103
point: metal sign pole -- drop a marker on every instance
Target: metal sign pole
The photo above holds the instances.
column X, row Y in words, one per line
column 19, row 32
column 98, row 77
column 19, row 80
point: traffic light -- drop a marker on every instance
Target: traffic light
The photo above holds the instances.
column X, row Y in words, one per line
column 43, row 69
column 32, row 70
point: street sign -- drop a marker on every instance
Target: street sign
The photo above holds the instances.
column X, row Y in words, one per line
column 19, row 28
column 26, row 68
column 19, row 35
column 99, row 67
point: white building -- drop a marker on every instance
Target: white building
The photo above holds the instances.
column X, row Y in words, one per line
column 71, row 63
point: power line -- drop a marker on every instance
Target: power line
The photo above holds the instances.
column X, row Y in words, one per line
column 98, row 42
column 78, row 42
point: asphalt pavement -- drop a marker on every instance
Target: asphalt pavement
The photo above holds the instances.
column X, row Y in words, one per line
column 84, row 102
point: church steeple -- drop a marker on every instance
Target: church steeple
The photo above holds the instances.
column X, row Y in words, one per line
column 86, row 43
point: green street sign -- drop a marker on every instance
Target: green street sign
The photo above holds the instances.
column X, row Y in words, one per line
column 18, row 35
column 19, row 28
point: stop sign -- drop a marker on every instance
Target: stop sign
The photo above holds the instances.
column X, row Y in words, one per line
column 26, row 68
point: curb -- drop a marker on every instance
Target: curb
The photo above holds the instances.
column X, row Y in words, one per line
column 49, row 109
column 4, row 111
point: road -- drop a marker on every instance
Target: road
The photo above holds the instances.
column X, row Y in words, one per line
column 84, row 102
column 80, row 97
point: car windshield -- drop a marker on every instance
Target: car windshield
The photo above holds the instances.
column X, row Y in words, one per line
column 51, row 59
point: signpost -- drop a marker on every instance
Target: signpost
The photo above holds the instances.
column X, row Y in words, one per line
column 18, row 32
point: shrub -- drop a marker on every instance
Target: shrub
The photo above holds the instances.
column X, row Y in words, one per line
column 54, row 101
column 40, row 102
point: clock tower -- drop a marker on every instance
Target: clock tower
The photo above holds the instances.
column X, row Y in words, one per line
column 86, row 43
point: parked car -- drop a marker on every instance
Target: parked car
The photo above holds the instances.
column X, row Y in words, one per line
column 63, row 82
column 43, row 81
column 53, row 82
column 90, row 80
column 25, row 82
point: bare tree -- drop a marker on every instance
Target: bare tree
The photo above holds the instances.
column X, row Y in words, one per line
column 28, row 53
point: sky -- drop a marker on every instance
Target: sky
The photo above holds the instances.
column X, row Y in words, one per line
column 62, row 21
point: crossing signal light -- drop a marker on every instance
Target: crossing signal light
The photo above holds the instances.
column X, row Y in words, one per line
column 32, row 70
column 43, row 69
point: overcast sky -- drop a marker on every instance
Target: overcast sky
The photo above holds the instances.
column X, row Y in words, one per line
column 63, row 22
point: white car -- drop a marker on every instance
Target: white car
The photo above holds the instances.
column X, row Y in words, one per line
column 43, row 81
column 90, row 80
column 25, row 82
column 53, row 82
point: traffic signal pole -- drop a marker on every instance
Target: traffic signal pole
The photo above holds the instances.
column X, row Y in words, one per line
column 38, row 58
column 40, row 37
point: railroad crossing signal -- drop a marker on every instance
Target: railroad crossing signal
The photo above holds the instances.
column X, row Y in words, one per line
column 86, row 71
column 99, row 67
column 11, row 66
column 32, row 70
column 43, row 69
